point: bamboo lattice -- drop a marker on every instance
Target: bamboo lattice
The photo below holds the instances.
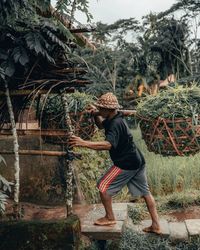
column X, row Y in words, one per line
column 171, row 137
column 82, row 122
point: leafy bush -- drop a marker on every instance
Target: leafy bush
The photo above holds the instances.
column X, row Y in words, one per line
column 5, row 186
column 178, row 102
column 90, row 168
column 133, row 240
column 136, row 213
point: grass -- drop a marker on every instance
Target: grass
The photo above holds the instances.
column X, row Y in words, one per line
column 169, row 174
column 179, row 200
column 132, row 240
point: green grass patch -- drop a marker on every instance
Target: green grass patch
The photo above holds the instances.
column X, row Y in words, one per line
column 136, row 213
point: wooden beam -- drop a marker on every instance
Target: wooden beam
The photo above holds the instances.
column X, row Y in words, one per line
column 82, row 30
column 128, row 112
column 40, row 152
column 25, row 92
column 38, row 132
column 35, row 152
column 54, row 84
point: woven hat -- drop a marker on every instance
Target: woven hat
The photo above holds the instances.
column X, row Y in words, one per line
column 108, row 101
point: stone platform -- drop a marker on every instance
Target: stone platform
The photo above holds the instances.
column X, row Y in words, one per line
column 89, row 214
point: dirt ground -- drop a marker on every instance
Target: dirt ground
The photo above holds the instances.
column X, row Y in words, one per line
column 185, row 214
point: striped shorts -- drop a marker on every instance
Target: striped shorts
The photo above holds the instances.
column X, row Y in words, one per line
column 116, row 178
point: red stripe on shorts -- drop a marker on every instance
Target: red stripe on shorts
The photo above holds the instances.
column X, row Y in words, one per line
column 107, row 180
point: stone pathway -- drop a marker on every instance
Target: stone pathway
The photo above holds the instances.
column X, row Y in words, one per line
column 176, row 231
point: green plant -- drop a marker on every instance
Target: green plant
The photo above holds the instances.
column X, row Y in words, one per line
column 183, row 199
column 90, row 168
column 136, row 213
column 178, row 102
column 5, row 187
column 52, row 114
column 133, row 240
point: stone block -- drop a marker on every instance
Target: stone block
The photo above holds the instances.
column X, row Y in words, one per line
column 193, row 226
column 163, row 224
column 178, row 231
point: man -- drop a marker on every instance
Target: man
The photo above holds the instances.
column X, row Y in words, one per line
column 129, row 164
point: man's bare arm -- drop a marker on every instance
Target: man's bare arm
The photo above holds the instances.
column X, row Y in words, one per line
column 78, row 142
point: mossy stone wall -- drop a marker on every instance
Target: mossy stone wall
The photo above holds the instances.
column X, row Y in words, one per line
column 42, row 178
column 41, row 235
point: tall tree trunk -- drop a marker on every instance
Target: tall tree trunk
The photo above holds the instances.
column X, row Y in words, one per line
column 16, row 149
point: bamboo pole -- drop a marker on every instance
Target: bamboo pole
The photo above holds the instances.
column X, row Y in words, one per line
column 71, row 171
column 69, row 175
column 16, row 151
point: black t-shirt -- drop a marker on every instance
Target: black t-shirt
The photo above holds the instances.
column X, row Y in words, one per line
column 124, row 152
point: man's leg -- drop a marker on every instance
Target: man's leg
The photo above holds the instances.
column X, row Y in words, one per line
column 109, row 184
column 151, row 205
column 107, row 203
column 109, row 218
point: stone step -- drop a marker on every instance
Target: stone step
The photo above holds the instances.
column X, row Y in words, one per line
column 97, row 211
column 193, row 227
column 178, row 231
column 163, row 224
column 146, row 223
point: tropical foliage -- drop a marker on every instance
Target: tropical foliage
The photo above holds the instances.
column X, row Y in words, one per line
column 32, row 36
column 161, row 45
column 5, row 188
column 26, row 40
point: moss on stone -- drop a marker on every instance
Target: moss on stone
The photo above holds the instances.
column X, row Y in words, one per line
column 34, row 235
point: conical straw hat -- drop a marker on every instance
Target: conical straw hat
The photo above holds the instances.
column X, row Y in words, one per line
column 108, row 101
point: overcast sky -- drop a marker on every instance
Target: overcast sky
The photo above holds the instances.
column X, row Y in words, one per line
column 108, row 11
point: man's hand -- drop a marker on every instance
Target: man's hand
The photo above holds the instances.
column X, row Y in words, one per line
column 76, row 141
column 92, row 110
